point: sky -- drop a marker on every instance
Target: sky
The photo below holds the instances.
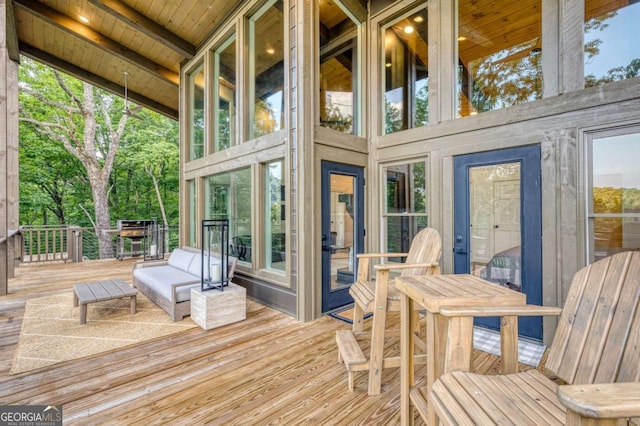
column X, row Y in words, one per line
column 619, row 41
column 615, row 161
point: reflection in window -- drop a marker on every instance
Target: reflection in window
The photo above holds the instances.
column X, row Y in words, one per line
column 406, row 204
column 499, row 54
column 267, row 69
column 225, row 94
column 406, row 100
column 275, row 239
column 338, row 68
column 192, row 212
column 196, row 113
column 229, row 197
column 614, row 216
column 608, row 53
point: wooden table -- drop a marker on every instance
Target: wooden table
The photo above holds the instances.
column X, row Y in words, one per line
column 432, row 292
column 99, row 291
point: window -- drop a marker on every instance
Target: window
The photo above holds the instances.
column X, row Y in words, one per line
column 196, row 113
column 229, row 197
column 406, row 76
column 614, row 193
column 193, row 228
column 266, row 63
column 338, row 68
column 225, row 94
column 499, row 54
column 405, row 212
column 609, row 53
column 275, row 217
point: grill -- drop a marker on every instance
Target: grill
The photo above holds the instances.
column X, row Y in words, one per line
column 135, row 231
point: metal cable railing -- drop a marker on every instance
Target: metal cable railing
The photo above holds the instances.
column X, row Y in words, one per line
column 70, row 243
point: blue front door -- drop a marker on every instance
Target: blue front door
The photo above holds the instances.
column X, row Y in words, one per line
column 497, row 229
column 342, row 237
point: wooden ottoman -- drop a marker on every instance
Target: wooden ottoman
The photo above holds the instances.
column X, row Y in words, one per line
column 99, row 291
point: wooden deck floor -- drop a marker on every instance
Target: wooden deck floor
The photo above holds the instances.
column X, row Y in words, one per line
column 269, row 369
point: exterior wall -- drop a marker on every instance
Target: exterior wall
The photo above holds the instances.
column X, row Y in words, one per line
column 275, row 289
column 8, row 143
column 558, row 123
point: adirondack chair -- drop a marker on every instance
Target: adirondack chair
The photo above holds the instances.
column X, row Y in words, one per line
column 596, row 351
column 379, row 297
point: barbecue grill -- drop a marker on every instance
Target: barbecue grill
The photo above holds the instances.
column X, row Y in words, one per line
column 133, row 232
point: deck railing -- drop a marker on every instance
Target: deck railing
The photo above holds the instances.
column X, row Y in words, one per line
column 70, row 243
column 51, row 244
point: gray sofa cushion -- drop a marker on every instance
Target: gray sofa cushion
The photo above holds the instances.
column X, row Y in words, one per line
column 195, row 267
column 161, row 279
column 181, row 259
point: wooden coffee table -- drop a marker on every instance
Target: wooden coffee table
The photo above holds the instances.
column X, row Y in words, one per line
column 99, row 291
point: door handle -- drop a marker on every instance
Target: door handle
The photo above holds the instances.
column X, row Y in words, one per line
column 327, row 248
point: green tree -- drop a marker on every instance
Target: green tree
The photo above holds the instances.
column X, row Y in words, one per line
column 88, row 122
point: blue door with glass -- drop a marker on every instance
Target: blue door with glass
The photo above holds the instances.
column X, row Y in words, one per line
column 498, row 226
column 342, row 195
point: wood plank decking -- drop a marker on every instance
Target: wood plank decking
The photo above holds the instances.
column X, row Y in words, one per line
column 268, row 369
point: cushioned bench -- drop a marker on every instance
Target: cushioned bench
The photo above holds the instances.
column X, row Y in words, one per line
column 168, row 283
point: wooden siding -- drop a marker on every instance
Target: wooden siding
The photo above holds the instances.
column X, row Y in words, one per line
column 267, row 369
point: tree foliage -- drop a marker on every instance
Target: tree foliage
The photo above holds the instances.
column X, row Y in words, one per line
column 74, row 138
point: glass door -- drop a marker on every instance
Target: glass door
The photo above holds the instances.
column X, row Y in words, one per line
column 342, row 231
column 498, row 225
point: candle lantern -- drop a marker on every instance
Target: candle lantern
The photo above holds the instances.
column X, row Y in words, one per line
column 215, row 254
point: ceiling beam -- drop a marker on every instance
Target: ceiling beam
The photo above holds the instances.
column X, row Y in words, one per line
column 140, row 22
column 11, row 34
column 96, row 80
column 83, row 32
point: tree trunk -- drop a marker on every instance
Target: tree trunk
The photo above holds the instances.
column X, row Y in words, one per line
column 102, row 215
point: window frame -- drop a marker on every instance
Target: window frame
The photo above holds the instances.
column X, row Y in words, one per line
column 384, row 214
column 589, row 215
column 231, row 38
column 250, row 61
column 410, row 107
column 357, row 37
column 198, row 67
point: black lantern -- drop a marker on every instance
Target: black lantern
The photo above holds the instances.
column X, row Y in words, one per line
column 215, row 254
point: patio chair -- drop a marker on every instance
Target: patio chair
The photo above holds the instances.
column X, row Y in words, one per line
column 379, row 297
column 596, row 351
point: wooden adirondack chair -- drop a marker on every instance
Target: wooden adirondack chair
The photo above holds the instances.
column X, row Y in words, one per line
column 380, row 297
column 596, row 350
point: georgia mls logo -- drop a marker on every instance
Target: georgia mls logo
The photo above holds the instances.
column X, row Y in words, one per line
column 30, row 415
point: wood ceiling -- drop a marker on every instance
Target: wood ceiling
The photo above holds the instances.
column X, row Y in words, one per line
column 149, row 39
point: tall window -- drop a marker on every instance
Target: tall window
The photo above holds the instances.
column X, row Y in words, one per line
column 229, row 197
column 406, row 74
column 196, row 113
column 499, row 54
column 614, row 193
column 338, row 68
column 225, row 94
column 609, row 53
column 405, row 212
column 193, row 225
column 275, row 217
column 266, row 63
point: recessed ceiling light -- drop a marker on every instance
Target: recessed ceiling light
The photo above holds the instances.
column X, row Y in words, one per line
column 461, row 38
column 388, row 65
column 408, row 29
column 83, row 19
column 418, row 19
column 271, row 51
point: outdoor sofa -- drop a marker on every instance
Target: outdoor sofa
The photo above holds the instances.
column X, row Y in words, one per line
column 168, row 283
